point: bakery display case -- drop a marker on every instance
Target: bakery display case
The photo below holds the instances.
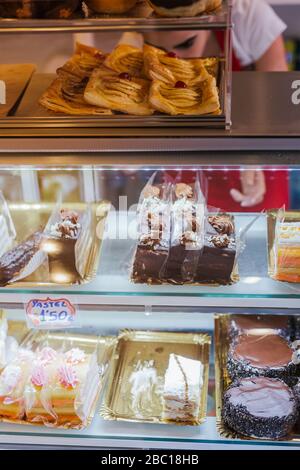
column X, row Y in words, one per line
column 182, row 286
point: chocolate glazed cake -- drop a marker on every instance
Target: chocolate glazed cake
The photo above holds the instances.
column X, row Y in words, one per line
column 187, row 219
column 260, row 325
column 16, row 259
column 154, row 234
column 260, row 407
column 183, row 7
column 217, row 258
column 266, row 355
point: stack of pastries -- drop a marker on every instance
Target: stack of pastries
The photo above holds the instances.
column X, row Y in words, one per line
column 49, row 387
column 133, row 79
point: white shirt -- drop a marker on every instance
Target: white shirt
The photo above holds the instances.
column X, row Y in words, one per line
column 256, row 26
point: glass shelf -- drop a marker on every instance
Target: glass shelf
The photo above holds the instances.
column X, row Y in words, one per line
column 111, row 434
column 140, row 18
column 112, row 284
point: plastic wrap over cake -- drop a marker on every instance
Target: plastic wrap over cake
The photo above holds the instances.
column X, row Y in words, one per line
column 67, row 242
column 153, row 231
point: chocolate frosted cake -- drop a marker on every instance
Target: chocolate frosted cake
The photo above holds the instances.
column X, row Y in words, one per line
column 183, row 7
column 187, row 220
column 21, row 260
column 38, row 8
column 260, row 407
column 217, row 259
column 60, row 243
column 260, row 325
column 266, row 355
column 154, row 235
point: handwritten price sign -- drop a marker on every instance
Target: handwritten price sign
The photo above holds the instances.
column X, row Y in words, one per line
column 50, row 313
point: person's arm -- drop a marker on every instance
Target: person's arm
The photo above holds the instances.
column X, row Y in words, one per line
column 274, row 59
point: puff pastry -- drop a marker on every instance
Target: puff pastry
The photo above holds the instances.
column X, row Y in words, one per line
column 184, row 7
column 83, row 62
column 126, row 58
column 200, row 97
column 119, row 92
column 168, row 68
column 66, row 96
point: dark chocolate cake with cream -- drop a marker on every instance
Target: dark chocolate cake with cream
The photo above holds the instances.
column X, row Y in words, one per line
column 153, row 237
column 187, row 220
column 217, row 259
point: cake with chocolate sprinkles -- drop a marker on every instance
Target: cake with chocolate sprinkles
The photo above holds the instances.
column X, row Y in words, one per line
column 261, row 325
column 260, row 407
column 265, row 355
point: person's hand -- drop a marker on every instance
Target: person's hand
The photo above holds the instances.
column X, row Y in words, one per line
column 253, row 188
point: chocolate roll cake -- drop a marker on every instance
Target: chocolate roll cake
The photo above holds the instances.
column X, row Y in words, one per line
column 183, row 7
column 217, row 258
column 60, row 244
column 187, row 220
column 154, row 235
column 19, row 258
column 261, row 325
column 267, row 355
column 260, row 407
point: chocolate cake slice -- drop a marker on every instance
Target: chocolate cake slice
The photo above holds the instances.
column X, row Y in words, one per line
column 260, row 407
column 264, row 355
column 217, row 258
column 60, row 243
column 153, row 237
column 187, row 220
column 22, row 260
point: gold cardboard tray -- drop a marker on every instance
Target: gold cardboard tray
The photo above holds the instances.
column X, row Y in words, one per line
column 289, row 216
column 16, row 77
column 104, row 345
column 222, row 381
column 29, row 217
column 150, row 349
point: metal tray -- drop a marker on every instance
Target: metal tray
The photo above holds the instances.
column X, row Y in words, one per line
column 31, row 114
column 222, row 380
column 140, row 18
column 150, row 349
column 29, row 217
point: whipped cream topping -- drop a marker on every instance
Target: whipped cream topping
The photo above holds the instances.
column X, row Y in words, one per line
column 39, row 376
column 75, row 356
column 9, row 379
column 67, row 376
column 47, row 355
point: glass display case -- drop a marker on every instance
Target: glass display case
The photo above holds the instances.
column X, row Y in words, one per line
column 141, row 246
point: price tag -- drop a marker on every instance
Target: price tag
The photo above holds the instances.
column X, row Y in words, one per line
column 51, row 313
